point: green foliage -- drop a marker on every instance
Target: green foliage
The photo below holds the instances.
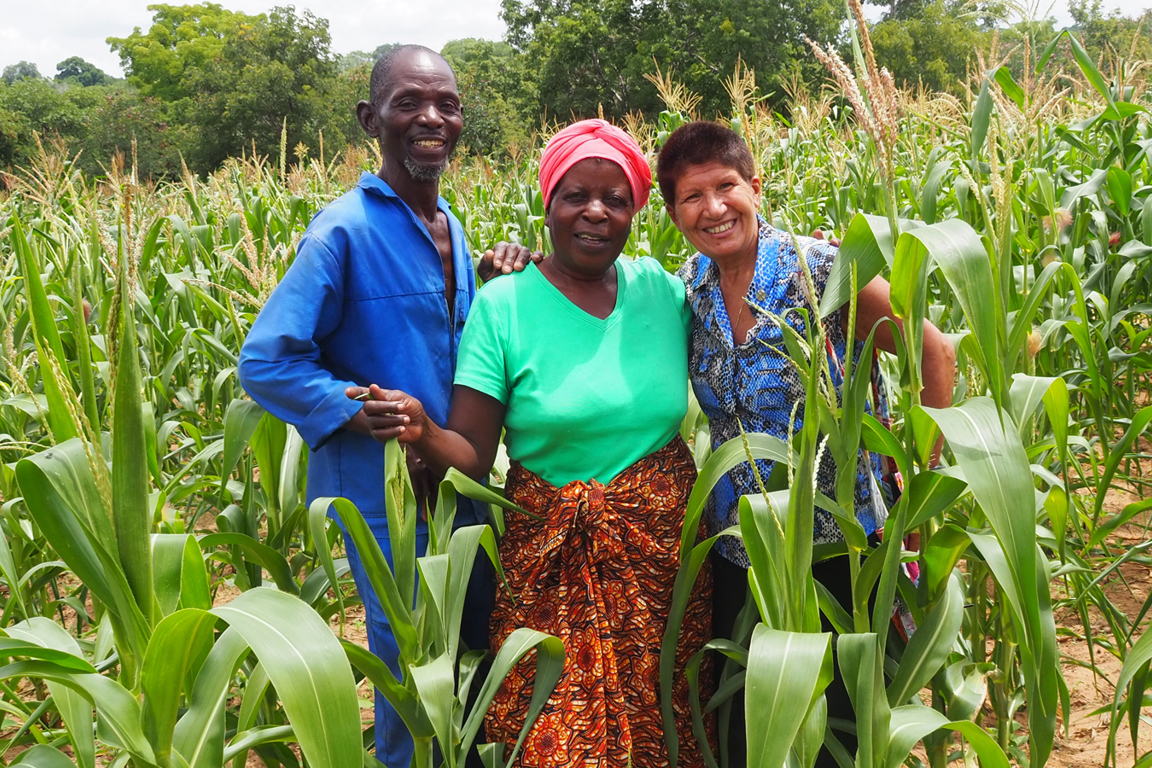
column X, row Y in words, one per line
column 77, row 70
column 586, row 56
column 182, row 38
column 205, row 83
column 274, row 68
column 1022, row 230
column 489, row 77
column 1113, row 33
column 358, row 59
column 234, row 78
column 24, row 70
column 96, row 122
column 934, row 47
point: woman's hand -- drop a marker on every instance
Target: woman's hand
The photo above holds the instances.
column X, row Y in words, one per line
column 388, row 414
column 818, row 234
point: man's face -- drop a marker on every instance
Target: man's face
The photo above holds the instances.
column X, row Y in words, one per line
column 417, row 119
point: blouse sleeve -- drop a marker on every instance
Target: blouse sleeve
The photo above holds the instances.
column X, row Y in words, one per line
column 481, row 364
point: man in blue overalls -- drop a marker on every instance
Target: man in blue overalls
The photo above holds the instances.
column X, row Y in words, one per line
column 378, row 294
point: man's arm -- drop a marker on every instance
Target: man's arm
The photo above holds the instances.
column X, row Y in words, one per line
column 280, row 362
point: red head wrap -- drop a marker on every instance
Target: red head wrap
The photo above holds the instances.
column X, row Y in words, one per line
column 595, row 138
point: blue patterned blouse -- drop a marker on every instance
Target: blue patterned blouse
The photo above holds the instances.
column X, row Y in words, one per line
column 755, row 384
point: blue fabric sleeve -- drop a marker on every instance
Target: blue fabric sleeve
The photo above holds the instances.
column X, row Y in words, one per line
column 280, row 362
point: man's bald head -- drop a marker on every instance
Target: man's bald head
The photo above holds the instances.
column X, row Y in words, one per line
column 382, row 70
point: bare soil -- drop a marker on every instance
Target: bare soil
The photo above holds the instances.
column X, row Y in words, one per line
column 1084, row 742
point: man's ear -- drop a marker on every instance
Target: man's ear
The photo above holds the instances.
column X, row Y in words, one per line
column 366, row 114
column 672, row 214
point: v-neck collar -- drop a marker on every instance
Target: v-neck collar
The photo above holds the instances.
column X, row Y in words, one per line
column 603, row 323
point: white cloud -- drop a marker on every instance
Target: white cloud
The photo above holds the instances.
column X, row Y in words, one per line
column 46, row 33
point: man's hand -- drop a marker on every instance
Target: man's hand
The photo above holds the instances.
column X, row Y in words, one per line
column 504, row 259
column 388, row 414
column 368, row 421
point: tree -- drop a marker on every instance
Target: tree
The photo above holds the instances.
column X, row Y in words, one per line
column 94, row 122
column 34, row 106
column 278, row 67
column 233, row 79
column 29, row 106
column 25, row 70
column 933, row 47
column 1114, row 33
column 588, row 55
column 362, row 59
column 119, row 115
column 182, row 38
column 81, row 72
column 343, row 127
column 489, row 76
column 585, row 55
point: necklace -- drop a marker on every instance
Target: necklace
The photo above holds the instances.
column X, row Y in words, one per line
column 740, row 313
column 736, row 325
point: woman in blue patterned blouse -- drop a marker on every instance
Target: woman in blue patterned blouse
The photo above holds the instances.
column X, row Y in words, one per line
column 739, row 370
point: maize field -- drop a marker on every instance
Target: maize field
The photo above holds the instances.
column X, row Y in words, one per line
column 169, row 600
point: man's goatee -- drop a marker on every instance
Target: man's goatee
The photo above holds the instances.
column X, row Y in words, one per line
column 426, row 173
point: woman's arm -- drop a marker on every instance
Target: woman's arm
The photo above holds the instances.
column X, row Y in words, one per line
column 468, row 443
column 938, row 358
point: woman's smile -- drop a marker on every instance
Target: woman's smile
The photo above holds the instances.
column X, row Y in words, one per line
column 721, row 228
column 715, row 207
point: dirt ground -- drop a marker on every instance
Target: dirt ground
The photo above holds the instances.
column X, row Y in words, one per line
column 1086, row 743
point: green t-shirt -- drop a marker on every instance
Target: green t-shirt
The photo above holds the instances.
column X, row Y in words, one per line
column 585, row 397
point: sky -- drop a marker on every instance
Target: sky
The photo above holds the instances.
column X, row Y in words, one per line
column 46, row 32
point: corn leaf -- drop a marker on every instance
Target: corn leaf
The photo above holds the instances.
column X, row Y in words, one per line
column 787, row 672
column 75, row 710
column 308, row 667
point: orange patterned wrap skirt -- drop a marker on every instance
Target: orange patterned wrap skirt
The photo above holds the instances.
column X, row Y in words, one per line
column 597, row 571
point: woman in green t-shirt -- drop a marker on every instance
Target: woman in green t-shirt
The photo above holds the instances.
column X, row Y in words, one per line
column 582, row 361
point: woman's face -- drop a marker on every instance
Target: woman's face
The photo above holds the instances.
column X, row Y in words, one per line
column 590, row 216
column 715, row 208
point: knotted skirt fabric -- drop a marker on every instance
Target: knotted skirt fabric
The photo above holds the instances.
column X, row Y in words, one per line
column 598, row 571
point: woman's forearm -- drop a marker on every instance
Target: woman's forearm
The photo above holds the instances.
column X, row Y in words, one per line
column 468, row 444
column 470, row 440
column 938, row 366
column 443, row 448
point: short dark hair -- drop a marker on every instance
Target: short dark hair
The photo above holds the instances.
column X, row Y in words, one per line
column 698, row 143
column 382, row 69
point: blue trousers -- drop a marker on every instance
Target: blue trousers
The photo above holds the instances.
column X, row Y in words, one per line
column 393, row 743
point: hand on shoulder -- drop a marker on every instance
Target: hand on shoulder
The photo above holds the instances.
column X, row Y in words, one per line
column 505, row 258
